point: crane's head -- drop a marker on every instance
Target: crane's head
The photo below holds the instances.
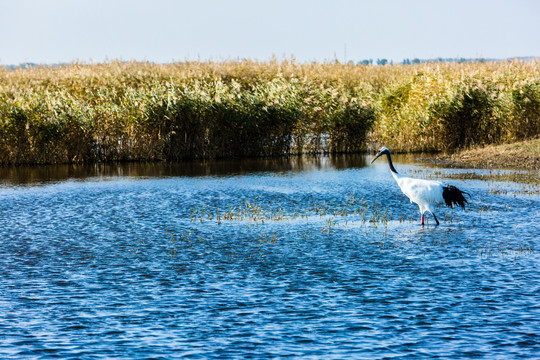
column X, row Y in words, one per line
column 382, row 150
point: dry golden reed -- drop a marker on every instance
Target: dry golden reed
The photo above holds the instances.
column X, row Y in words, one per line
column 136, row 111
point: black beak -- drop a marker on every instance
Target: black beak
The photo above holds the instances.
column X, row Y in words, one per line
column 377, row 156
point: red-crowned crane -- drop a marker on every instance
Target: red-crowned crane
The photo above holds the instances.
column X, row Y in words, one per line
column 425, row 193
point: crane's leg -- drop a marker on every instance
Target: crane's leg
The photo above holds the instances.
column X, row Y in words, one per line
column 437, row 221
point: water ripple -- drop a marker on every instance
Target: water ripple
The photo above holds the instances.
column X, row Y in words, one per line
column 123, row 268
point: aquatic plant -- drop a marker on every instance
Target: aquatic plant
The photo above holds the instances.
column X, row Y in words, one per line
column 141, row 111
column 442, row 107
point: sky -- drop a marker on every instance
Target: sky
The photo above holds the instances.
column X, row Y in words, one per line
column 63, row 31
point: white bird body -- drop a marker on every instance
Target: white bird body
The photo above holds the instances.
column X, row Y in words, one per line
column 427, row 194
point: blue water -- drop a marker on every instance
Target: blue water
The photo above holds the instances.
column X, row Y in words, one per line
column 137, row 263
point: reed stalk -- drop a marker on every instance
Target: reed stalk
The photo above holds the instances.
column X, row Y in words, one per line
column 135, row 111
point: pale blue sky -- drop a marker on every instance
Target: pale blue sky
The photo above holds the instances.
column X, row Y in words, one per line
column 53, row 31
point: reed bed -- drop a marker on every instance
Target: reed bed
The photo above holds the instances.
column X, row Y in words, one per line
column 135, row 111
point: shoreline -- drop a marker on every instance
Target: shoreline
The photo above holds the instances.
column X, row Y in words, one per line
column 524, row 155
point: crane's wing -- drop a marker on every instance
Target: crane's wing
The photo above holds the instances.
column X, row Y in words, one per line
column 421, row 191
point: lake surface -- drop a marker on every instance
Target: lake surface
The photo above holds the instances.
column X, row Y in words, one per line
column 306, row 257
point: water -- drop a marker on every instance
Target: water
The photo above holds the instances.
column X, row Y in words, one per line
column 259, row 259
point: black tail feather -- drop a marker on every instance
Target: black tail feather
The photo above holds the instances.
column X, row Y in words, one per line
column 452, row 195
